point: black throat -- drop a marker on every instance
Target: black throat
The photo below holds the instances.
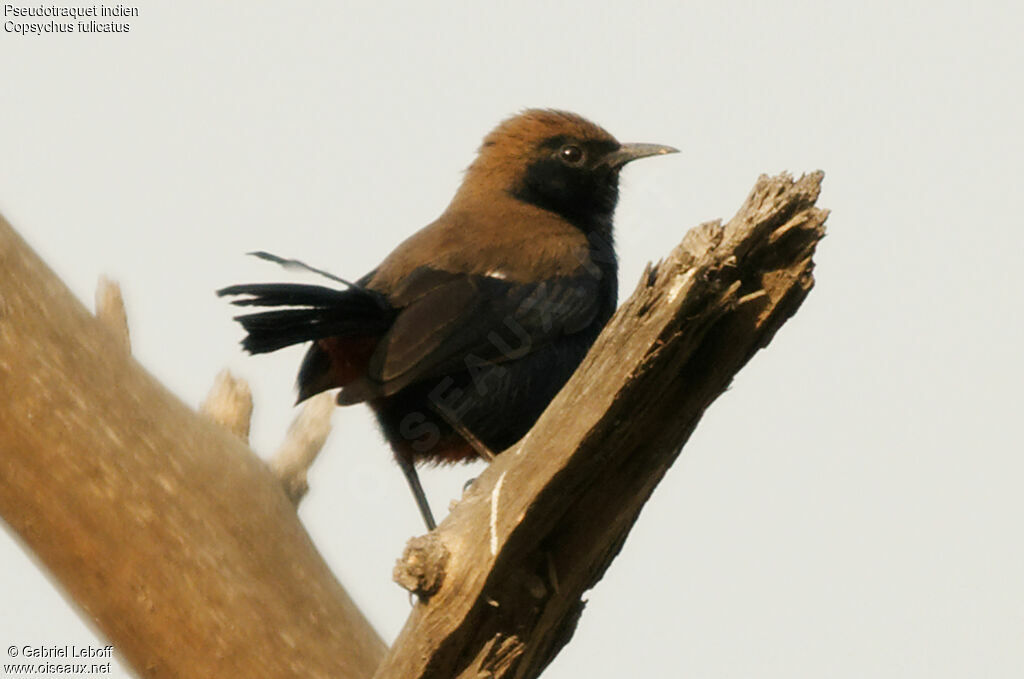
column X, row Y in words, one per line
column 584, row 196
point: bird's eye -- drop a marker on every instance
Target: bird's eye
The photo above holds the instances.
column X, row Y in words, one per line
column 571, row 154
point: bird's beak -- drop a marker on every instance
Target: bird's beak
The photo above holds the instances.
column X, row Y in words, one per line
column 630, row 152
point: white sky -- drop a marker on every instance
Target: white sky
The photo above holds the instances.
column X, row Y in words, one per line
column 851, row 507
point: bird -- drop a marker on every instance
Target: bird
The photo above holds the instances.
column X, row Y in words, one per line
column 460, row 338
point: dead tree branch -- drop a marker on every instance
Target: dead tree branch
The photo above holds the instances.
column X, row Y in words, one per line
column 543, row 522
column 167, row 531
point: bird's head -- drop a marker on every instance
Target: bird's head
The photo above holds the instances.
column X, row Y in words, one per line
column 558, row 161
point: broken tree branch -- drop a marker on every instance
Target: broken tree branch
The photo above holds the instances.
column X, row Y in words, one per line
column 539, row 527
column 110, row 311
column 229, row 404
column 305, row 439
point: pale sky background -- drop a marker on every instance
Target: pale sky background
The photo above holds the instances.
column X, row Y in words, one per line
column 852, row 507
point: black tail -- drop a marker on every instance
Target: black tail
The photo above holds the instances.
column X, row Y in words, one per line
column 316, row 312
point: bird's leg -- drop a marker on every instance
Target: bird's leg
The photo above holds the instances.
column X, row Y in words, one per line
column 409, row 469
column 481, row 449
column 479, row 446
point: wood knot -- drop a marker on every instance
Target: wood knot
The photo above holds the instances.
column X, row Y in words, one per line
column 422, row 566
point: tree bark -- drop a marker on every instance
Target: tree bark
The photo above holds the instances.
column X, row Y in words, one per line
column 185, row 549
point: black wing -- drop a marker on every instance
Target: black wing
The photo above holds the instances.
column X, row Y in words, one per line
column 445, row 318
